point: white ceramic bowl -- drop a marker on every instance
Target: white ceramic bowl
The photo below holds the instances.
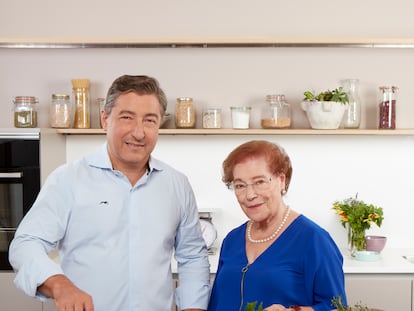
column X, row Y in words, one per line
column 324, row 115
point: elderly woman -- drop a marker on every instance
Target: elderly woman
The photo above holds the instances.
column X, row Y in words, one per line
column 279, row 257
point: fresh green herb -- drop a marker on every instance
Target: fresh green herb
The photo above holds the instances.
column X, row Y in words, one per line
column 337, row 303
column 357, row 213
column 336, row 95
column 251, row 306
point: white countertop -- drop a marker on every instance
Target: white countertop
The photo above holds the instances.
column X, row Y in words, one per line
column 391, row 261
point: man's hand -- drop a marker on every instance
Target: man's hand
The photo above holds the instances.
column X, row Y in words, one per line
column 66, row 295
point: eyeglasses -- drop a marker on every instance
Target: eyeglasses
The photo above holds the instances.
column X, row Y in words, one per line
column 260, row 184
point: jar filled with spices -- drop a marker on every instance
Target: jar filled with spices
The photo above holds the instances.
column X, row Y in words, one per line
column 387, row 107
column 185, row 116
column 212, row 118
column 25, row 111
column 276, row 113
column 60, row 111
column 81, row 100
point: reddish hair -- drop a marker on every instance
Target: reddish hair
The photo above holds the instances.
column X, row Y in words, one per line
column 277, row 159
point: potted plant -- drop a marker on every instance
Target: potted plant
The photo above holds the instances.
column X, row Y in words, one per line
column 357, row 216
column 326, row 109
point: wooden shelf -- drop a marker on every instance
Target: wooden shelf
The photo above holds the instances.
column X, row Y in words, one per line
column 396, row 132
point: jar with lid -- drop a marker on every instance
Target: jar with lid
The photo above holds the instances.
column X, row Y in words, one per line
column 212, row 118
column 25, row 111
column 185, row 116
column 276, row 112
column 60, row 111
column 387, row 107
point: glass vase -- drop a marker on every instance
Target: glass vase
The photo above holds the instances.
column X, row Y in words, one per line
column 356, row 240
column 352, row 116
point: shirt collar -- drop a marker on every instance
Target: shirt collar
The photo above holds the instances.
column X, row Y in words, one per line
column 100, row 159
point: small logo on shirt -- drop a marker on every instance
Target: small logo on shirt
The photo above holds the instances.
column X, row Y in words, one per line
column 104, row 203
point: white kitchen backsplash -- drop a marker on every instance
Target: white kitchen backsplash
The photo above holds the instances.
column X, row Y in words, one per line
column 325, row 169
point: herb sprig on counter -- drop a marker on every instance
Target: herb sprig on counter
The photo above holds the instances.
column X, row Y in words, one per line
column 251, row 306
column 337, row 303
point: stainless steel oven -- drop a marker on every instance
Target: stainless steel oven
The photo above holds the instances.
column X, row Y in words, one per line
column 19, row 182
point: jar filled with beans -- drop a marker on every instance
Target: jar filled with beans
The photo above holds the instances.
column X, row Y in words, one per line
column 387, row 107
column 185, row 115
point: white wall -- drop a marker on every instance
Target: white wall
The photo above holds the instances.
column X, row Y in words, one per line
column 136, row 19
column 326, row 168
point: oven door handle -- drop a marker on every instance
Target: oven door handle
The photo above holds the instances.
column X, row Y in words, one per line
column 11, row 175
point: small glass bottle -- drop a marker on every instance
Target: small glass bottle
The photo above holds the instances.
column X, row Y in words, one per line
column 185, row 116
column 276, row 113
column 25, row 111
column 212, row 118
column 387, row 107
column 60, row 112
column 81, row 104
column 352, row 115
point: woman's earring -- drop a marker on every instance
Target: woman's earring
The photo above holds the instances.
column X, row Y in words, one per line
column 283, row 192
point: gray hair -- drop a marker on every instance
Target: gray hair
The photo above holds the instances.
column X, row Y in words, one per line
column 141, row 85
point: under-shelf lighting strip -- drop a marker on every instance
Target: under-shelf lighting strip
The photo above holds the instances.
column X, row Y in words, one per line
column 29, row 45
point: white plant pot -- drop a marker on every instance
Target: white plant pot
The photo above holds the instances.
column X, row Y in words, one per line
column 324, row 115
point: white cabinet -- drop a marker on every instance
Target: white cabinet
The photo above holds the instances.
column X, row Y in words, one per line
column 388, row 293
column 49, row 305
column 13, row 299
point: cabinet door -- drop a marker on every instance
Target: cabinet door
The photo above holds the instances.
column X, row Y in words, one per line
column 383, row 293
column 49, row 305
column 13, row 299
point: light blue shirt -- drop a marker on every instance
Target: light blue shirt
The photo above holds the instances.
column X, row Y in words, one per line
column 115, row 241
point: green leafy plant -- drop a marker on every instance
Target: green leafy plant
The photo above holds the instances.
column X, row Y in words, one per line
column 251, row 306
column 336, row 95
column 357, row 213
column 359, row 216
column 338, row 304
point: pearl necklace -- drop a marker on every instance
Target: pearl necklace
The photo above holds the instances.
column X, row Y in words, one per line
column 274, row 234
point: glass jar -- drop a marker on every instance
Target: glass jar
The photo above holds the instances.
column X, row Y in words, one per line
column 240, row 117
column 60, row 111
column 276, row 113
column 387, row 107
column 185, row 116
column 101, row 105
column 212, row 118
column 352, row 115
column 81, row 100
column 25, row 111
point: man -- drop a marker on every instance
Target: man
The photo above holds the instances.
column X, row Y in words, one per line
column 116, row 218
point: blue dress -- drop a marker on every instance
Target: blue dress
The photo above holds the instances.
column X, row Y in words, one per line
column 302, row 267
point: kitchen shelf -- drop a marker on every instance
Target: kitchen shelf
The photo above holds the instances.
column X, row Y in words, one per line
column 212, row 43
column 396, row 132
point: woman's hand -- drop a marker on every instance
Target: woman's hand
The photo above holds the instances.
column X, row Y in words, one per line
column 278, row 307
